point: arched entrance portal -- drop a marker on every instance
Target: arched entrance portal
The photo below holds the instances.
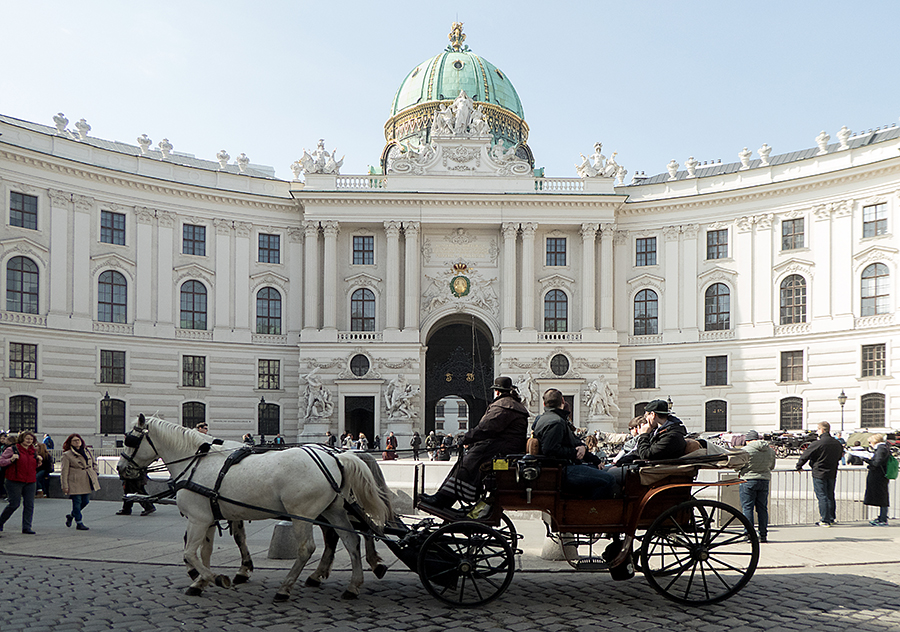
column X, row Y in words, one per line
column 459, row 361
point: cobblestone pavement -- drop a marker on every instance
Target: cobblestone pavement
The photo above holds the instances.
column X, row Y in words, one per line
column 61, row 595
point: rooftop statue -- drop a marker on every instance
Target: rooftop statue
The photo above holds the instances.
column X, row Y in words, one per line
column 597, row 165
column 456, row 36
column 320, row 161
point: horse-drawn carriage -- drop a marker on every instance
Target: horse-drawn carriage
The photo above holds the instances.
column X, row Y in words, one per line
column 692, row 550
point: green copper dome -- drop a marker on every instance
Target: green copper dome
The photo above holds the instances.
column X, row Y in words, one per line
column 443, row 76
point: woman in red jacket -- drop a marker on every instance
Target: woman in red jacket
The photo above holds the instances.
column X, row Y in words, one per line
column 21, row 475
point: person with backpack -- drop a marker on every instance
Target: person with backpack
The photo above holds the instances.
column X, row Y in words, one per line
column 877, row 478
column 20, row 462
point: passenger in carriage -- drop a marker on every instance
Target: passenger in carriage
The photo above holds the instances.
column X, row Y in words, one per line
column 501, row 431
column 630, row 443
column 583, row 475
column 661, row 436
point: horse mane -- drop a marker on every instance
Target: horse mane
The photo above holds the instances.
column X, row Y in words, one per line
column 179, row 436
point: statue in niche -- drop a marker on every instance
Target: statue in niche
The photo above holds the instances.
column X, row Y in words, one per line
column 599, row 399
column 318, row 399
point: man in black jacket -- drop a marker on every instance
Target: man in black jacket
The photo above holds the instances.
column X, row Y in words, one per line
column 661, row 436
column 824, row 455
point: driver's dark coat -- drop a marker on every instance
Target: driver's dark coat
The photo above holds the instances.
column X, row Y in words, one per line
column 501, row 431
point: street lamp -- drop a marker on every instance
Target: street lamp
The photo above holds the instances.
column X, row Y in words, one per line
column 842, row 399
column 669, row 402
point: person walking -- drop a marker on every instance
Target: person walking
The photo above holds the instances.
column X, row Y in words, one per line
column 78, row 477
column 48, row 441
column 330, row 439
column 415, row 443
column 44, row 470
column 133, row 480
column 876, row 478
column 21, row 462
column 757, row 474
column 431, row 445
column 823, row 456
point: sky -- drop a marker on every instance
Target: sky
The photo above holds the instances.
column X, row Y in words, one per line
column 653, row 81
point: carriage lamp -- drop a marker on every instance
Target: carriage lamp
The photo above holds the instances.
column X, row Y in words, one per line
column 842, row 399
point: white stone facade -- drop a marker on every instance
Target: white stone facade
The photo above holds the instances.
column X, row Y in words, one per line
column 496, row 225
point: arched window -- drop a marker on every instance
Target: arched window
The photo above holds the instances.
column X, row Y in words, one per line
column 718, row 307
column 556, row 311
column 793, row 300
column 716, row 416
column 22, row 285
column 112, row 304
column 22, row 413
column 791, row 413
column 268, row 419
column 872, row 408
column 875, row 290
column 646, row 315
column 362, row 310
column 192, row 413
column 193, row 305
column 112, row 416
column 268, row 311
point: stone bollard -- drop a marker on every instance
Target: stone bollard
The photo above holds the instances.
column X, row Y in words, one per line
column 284, row 544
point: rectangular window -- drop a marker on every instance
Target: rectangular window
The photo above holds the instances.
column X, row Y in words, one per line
column 193, row 371
column 646, row 251
column 269, row 375
column 463, row 410
column 193, row 240
column 717, row 244
column 23, row 210
column 269, row 248
column 792, row 234
column 716, row 370
column 873, row 360
column 112, row 367
column 112, row 228
column 645, row 373
column 363, row 250
column 556, row 251
column 875, row 220
column 22, row 361
column 791, row 366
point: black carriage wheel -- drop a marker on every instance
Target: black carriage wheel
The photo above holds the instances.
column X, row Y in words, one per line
column 466, row 563
column 699, row 552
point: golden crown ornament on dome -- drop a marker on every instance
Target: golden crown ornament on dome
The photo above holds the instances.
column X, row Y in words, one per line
column 457, row 37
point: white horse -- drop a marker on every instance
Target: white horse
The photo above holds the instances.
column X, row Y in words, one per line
column 261, row 486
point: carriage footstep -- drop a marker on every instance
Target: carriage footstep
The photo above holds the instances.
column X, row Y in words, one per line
column 591, row 564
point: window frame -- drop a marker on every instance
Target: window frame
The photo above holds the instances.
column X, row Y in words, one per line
column 19, row 289
column 191, row 374
column 715, row 247
column 112, row 228
column 644, row 317
column 645, row 256
column 872, row 408
column 273, row 253
column 717, row 308
column 555, row 252
column 197, row 246
column 364, row 255
column 112, row 297
column 556, row 311
column 364, row 300
column 718, row 373
column 199, row 318
column 268, row 419
column 23, row 361
column 791, row 238
column 24, row 214
column 192, row 406
column 18, row 418
column 109, row 366
column 873, row 366
column 711, row 421
column 267, row 320
column 878, row 301
column 787, row 419
column 788, row 368
column 638, row 374
column 268, row 374
column 795, row 312
column 112, row 416
column 876, row 226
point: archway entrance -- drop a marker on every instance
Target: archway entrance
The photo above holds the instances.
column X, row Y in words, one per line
column 459, row 361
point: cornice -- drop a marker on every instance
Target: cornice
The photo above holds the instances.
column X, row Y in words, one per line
column 760, row 191
column 450, row 199
column 145, row 183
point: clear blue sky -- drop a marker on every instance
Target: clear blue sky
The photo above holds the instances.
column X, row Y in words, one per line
column 651, row 80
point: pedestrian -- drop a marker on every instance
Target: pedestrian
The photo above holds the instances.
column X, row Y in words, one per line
column 48, row 441
column 3, row 445
column 330, row 439
column 390, row 441
column 278, row 440
column 376, row 442
column 21, row 462
column 823, row 456
column 415, row 443
column 840, row 439
column 757, row 474
column 876, row 478
column 248, row 439
column 78, row 477
column 363, row 442
column 347, row 442
column 431, row 445
column 133, row 482
column 44, row 470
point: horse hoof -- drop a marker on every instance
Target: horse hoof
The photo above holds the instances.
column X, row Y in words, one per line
column 279, row 597
column 240, row 579
column 380, row 570
column 222, row 581
column 193, row 591
column 313, row 583
column 349, row 595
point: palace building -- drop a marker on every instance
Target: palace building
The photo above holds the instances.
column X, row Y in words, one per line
column 751, row 294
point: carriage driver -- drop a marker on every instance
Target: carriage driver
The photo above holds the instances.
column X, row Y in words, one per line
column 556, row 436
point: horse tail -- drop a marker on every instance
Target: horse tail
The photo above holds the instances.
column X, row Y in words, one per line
column 381, row 484
column 362, row 485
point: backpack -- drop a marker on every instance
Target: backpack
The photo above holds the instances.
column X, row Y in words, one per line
column 891, row 468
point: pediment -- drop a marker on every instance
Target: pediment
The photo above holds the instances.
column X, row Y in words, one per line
column 268, row 278
column 717, row 273
column 646, row 280
column 879, row 252
column 363, row 278
column 794, row 265
column 557, row 281
column 194, row 270
column 112, row 260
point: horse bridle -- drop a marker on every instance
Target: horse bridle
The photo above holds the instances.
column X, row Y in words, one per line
column 133, row 440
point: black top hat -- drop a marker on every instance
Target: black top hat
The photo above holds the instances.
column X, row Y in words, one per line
column 658, row 406
column 503, row 384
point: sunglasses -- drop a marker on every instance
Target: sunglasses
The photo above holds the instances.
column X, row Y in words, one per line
column 202, row 426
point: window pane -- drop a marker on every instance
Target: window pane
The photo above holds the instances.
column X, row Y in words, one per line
column 556, row 251
column 792, row 234
column 556, row 311
column 872, row 410
column 874, row 220
column 646, row 251
column 792, row 366
column 22, row 361
column 112, row 416
column 716, row 370
column 718, row 307
column 873, row 360
column 362, row 310
column 874, row 290
column 112, row 228
column 363, row 250
column 193, row 413
column 645, row 373
column 112, row 367
column 717, row 244
column 791, row 413
column 269, row 375
column 268, row 311
column 793, row 300
column 193, row 240
column 22, row 413
column 194, row 371
column 716, row 416
column 23, row 210
column 193, row 305
column 22, row 286
column 646, row 322
column 269, row 248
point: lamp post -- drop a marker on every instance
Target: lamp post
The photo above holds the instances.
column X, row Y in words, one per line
column 842, row 399
column 669, row 402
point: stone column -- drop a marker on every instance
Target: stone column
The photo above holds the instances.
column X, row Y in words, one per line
column 841, row 257
column 392, row 274
column 742, row 241
column 143, row 242
column 295, row 289
column 81, row 260
column 311, row 275
column 528, row 276
column 165, row 250
column 821, row 306
column 763, row 294
column 59, row 252
column 411, row 291
column 672, row 299
column 243, row 302
column 588, row 276
column 509, row 274
column 607, row 282
column 331, row 229
column 224, row 258
column 689, row 274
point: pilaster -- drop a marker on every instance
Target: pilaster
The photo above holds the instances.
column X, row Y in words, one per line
column 588, row 276
column 528, row 275
column 392, row 282
column 411, row 291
